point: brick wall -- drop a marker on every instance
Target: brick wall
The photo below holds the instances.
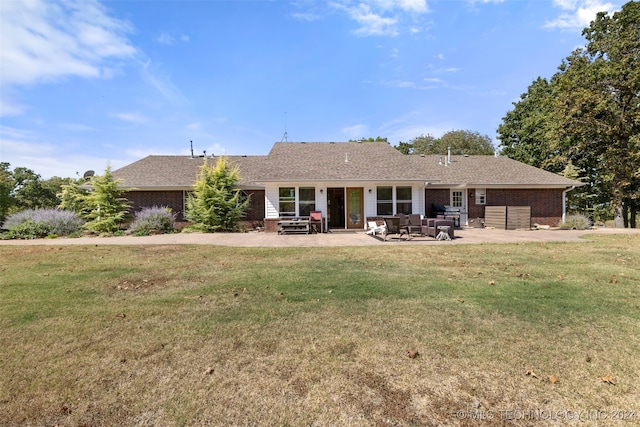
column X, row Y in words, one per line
column 174, row 200
column 435, row 197
column 546, row 203
column 146, row 199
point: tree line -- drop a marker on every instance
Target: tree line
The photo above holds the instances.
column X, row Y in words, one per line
column 584, row 121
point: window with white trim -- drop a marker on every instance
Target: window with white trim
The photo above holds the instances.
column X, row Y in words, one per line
column 384, row 200
column 481, row 196
column 456, row 199
column 287, row 201
column 307, row 200
column 404, row 204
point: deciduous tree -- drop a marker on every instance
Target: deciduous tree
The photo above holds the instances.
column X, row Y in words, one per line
column 459, row 141
column 588, row 115
column 599, row 102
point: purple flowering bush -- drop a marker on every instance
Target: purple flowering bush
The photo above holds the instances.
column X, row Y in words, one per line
column 159, row 219
column 576, row 222
column 36, row 223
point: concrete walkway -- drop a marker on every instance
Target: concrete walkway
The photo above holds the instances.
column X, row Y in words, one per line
column 262, row 239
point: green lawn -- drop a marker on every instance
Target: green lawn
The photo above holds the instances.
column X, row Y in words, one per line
column 198, row 335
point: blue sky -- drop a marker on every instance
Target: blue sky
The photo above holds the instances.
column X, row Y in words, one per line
column 85, row 83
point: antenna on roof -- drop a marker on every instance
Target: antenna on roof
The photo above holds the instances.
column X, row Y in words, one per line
column 191, row 149
column 285, row 137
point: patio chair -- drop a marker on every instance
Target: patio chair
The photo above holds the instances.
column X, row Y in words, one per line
column 395, row 225
column 315, row 222
column 414, row 224
column 375, row 228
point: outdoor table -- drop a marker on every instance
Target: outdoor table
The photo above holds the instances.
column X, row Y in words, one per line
column 443, row 233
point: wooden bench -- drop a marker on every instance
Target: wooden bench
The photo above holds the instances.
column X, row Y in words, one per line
column 300, row 226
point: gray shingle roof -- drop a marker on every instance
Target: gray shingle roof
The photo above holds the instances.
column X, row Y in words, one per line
column 180, row 172
column 488, row 171
column 348, row 161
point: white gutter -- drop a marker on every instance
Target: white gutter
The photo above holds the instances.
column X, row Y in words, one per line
column 564, row 202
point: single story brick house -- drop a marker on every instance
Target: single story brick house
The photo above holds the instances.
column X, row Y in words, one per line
column 352, row 181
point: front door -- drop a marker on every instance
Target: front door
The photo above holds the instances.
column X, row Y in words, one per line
column 355, row 208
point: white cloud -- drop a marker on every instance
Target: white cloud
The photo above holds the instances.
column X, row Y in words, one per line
column 579, row 13
column 44, row 41
column 165, row 38
column 130, row 117
column 356, row 131
column 306, row 16
column 162, row 82
column 10, row 108
column 169, row 40
column 25, row 149
column 382, row 17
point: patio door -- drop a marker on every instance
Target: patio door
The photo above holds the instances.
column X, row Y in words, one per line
column 459, row 200
column 335, row 207
column 355, row 208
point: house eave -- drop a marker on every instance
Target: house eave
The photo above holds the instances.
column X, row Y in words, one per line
column 503, row 186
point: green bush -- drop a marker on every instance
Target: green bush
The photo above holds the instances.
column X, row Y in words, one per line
column 576, row 222
column 27, row 230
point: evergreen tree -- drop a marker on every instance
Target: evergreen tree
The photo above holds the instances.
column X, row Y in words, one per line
column 106, row 210
column 216, row 203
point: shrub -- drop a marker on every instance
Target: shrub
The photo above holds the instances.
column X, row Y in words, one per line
column 153, row 219
column 576, row 222
column 106, row 210
column 35, row 223
column 216, row 203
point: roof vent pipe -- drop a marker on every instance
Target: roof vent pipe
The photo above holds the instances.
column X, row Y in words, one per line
column 448, row 155
column 191, row 149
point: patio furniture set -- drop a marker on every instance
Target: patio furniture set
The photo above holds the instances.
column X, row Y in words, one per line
column 412, row 225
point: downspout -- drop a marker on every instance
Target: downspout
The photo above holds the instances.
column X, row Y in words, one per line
column 564, row 202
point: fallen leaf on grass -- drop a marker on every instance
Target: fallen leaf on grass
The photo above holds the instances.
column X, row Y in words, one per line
column 208, row 371
column 609, row 379
column 532, row 374
column 492, row 282
column 412, row 353
column 553, row 379
column 460, row 300
column 588, row 359
column 613, row 280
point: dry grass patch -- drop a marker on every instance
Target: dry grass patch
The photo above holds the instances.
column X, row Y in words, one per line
column 186, row 335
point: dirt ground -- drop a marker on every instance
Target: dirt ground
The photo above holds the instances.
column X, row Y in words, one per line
column 360, row 238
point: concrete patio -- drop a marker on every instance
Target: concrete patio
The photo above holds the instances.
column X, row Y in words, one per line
column 360, row 238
